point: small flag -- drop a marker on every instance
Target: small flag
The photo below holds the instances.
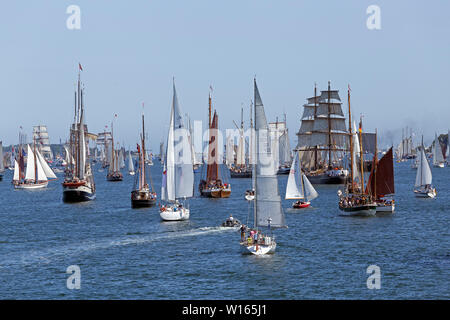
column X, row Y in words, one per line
column 115, row 115
column 79, row 66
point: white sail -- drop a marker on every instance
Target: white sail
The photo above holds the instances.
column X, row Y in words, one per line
column 294, row 188
column 267, row 199
column 34, row 167
column 438, row 157
column 423, row 176
column 16, row 171
column 310, row 192
column 47, row 170
column 130, row 162
column 240, row 156
column 179, row 173
column 121, row 159
column 229, row 156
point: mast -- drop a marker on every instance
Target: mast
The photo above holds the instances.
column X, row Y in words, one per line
column 34, row 155
column 350, row 135
column 143, row 151
column 329, row 128
column 376, row 166
column 256, row 162
column 315, row 115
column 361, row 154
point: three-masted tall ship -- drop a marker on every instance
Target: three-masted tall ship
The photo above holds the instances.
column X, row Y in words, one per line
column 178, row 173
column 79, row 182
column 322, row 138
column 114, row 173
column 267, row 209
column 213, row 186
column 239, row 167
column 356, row 200
column 142, row 195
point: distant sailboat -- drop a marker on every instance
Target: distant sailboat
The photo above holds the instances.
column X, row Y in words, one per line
column 114, row 173
column 142, row 195
column 130, row 165
column 178, row 172
column 214, row 186
column 238, row 168
column 36, row 176
column 267, row 204
column 422, row 186
column 438, row 156
column 79, row 182
column 298, row 186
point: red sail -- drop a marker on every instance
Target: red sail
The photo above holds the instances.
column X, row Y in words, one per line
column 383, row 184
column 213, row 170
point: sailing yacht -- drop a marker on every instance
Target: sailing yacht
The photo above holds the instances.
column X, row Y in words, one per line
column 142, row 195
column 37, row 172
column 438, row 156
column 130, row 165
column 422, row 186
column 213, row 186
column 381, row 182
column 298, row 186
column 178, row 173
column 79, row 182
column 267, row 210
column 114, row 173
column 356, row 201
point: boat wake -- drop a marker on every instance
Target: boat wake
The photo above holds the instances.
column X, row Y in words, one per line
column 46, row 256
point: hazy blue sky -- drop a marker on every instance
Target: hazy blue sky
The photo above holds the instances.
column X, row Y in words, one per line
column 130, row 50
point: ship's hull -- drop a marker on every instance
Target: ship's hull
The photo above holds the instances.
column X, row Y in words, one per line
column 215, row 193
column 283, row 170
column 31, row 186
column 142, row 199
column 245, row 174
column 367, row 210
column 170, row 213
column 78, row 194
column 302, row 205
column 385, row 208
column 114, row 177
column 324, row 178
column 1, row 177
column 260, row 249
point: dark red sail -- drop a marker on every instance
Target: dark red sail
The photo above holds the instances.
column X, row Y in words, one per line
column 213, row 170
column 381, row 180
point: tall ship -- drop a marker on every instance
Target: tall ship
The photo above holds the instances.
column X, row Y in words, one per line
column 79, row 182
column 178, row 173
column 114, row 173
column 356, row 200
column 213, row 185
column 267, row 210
column 280, row 141
column 239, row 168
column 40, row 136
column 142, row 195
column 322, row 138
column 406, row 150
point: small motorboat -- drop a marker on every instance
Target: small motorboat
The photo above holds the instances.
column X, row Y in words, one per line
column 301, row 204
column 250, row 195
column 231, row 222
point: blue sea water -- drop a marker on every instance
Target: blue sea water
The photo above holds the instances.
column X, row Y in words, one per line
column 131, row 254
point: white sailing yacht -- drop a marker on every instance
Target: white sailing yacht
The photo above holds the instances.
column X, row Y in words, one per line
column 423, row 187
column 131, row 171
column 178, row 172
column 37, row 172
column 438, row 156
column 298, row 186
column 267, row 204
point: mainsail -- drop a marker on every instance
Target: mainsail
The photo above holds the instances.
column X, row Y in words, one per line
column 34, row 170
column 268, row 210
column 178, row 178
column 130, row 162
column 381, row 179
column 423, row 176
column 438, row 156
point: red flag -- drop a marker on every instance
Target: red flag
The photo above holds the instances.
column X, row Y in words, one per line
column 79, row 66
column 138, row 149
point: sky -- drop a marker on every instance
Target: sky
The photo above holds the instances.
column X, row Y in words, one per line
column 131, row 50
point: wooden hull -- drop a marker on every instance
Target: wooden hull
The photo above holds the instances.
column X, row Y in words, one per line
column 216, row 193
column 116, row 176
column 142, row 199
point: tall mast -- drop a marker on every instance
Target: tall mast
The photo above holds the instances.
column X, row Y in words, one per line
column 34, row 155
column 350, row 135
column 256, row 161
column 113, row 154
column 143, row 149
column 361, row 155
column 376, row 166
column 209, row 110
column 329, row 128
column 315, row 114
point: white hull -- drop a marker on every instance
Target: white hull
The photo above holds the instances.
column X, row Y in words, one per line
column 383, row 208
column 420, row 194
column 438, row 165
column 249, row 197
column 31, row 186
column 131, row 173
column 168, row 214
column 262, row 249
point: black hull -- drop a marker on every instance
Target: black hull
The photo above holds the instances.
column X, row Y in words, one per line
column 71, row 196
column 240, row 174
column 326, row 179
column 114, row 179
column 1, row 177
column 143, row 203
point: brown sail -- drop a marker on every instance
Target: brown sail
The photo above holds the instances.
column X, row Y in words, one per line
column 381, row 180
column 212, row 173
